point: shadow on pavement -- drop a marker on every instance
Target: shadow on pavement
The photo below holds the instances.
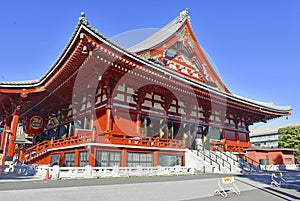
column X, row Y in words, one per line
column 292, row 178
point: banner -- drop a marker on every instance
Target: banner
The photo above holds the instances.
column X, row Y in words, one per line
column 34, row 124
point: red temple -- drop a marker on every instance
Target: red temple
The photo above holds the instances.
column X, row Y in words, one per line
column 103, row 105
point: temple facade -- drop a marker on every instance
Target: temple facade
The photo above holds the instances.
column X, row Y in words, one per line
column 104, row 105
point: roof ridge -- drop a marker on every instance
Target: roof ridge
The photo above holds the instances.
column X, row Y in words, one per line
column 162, row 34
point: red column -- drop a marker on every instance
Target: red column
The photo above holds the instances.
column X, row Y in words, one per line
column 183, row 159
column 124, row 158
column 93, row 128
column 237, row 138
column 139, row 99
column 92, row 157
column 13, row 128
column 62, row 159
column 248, row 139
column 108, row 116
column 76, row 158
column 3, row 137
column 166, row 105
column 5, row 143
column 155, row 158
column 108, row 86
column 138, row 119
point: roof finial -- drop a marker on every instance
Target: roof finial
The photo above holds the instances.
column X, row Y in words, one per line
column 186, row 10
column 183, row 15
column 83, row 19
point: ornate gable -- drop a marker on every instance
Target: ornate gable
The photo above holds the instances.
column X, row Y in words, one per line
column 175, row 47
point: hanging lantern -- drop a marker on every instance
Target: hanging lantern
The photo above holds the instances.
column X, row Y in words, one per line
column 34, row 124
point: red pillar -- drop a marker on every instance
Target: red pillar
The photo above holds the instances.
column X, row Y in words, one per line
column 108, row 117
column 183, row 159
column 124, row 158
column 3, row 137
column 13, row 128
column 92, row 156
column 93, row 128
column 248, row 139
column 138, row 119
column 139, row 99
column 76, row 158
column 62, row 159
column 155, row 158
column 109, row 87
column 237, row 137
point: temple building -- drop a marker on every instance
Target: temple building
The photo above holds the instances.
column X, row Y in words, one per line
column 104, row 105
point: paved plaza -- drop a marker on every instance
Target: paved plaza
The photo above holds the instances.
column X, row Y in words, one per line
column 185, row 188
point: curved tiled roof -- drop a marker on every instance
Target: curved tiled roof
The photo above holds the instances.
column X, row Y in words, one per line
column 264, row 104
column 271, row 129
column 18, row 83
column 162, row 34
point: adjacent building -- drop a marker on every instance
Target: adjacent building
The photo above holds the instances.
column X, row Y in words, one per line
column 264, row 141
column 267, row 136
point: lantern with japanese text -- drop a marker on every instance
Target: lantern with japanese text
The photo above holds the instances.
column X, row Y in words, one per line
column 34, row 124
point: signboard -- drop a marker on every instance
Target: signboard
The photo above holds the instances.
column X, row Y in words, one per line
column 34, row 124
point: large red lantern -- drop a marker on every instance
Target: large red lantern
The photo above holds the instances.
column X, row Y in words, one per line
column 34, row 124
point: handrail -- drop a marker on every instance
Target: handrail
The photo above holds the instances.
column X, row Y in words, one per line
column 248, row 161
column 146, row 141
column 42, row 147
column 242, row 162
column 252, row 160
column 223, row 160
column 227, row 156
column 48, row 144
column 204, row 156
column 216, row 158
column 251, row 165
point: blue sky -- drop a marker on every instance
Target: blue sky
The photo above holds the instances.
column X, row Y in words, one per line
column 254, row 44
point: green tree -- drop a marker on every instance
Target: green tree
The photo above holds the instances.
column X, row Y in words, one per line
column 289, row 137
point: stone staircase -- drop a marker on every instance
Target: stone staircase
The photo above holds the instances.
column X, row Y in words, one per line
column 207, row 161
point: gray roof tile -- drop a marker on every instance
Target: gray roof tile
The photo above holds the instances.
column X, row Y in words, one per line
column 162, row 34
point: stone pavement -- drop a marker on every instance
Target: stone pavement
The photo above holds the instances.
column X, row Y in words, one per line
column 184, row 188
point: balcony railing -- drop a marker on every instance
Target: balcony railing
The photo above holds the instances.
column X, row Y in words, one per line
column 104, row 138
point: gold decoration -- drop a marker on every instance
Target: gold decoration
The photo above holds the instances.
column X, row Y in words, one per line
column 146, row 55
column 40, row 89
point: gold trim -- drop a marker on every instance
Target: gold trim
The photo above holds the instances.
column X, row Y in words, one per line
column 40, row 89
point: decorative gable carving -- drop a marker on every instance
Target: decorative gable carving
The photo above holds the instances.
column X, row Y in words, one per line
column 182, row 54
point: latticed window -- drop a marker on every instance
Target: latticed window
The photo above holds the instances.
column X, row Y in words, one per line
column 69, row 159
column 83, row 159
column 242, row 137
column 108, row 158
column 169, row 160
column 55, row 159
column 153, row 127
column 139, row 159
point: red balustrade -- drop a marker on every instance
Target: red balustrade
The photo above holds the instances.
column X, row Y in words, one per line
column 107, row 138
